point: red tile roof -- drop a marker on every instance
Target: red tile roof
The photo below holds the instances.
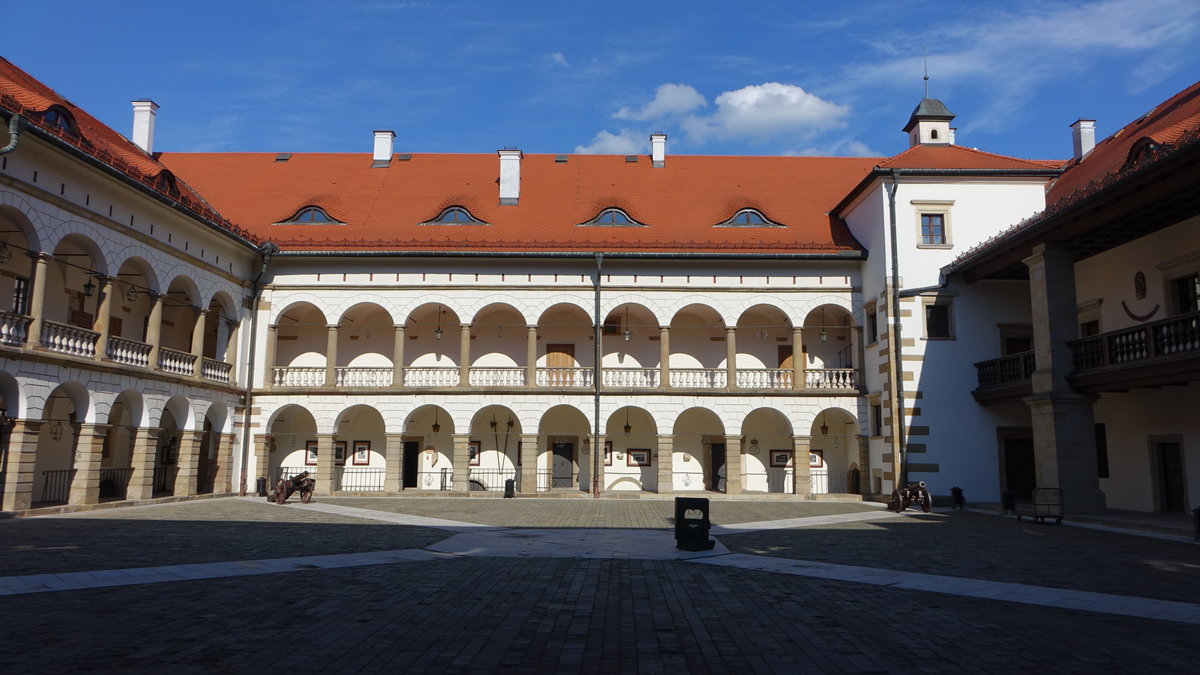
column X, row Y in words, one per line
column 383, row 208
column 1165, row 124
column 959, row 157
column 22, row 94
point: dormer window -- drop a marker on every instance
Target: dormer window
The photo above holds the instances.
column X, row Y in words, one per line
column 748, row 218
column 613, row 218
column 455, row 215
column 1142, row 150
column 58, row 118
column 310, row 215
column 165, row 181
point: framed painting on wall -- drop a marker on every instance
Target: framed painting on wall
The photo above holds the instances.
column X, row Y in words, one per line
column 635, row 457
column 310, row 453
column 362, row 453
column 474, row 450
column 781, row 458
column 339, row 452
column 607, row 453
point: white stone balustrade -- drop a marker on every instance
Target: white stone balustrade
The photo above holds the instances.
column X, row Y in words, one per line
column 431, row 377
column 13, row 328
column 699, row 378
column 764, row 378
column 128, row 352
column 564, row 377
column 217, row 371
column 73, row 340
column 641, row 378
column 176, row 362
column 364, row 377
column 298, row 377
column 831, row 378
column 497, row 377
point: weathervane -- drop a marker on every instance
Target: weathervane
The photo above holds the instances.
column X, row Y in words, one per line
column 925, row 58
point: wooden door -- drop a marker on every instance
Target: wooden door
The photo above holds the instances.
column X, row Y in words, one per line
column 560, row 359
column 786, row 365
column 412, row 457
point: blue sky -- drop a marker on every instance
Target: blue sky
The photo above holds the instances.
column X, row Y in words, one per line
column 561, row 76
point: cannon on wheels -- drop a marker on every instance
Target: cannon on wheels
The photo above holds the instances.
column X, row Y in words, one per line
column 910, row 495
column 285, row 487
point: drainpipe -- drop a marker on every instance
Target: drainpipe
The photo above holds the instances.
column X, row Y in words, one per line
column 267, row 250
column 899, row 444
column 14, row 133
column 596, row 374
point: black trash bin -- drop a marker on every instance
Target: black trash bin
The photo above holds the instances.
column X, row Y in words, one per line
column 261, row 484
column 692, row 524
column 956, row 498
column 510, row 488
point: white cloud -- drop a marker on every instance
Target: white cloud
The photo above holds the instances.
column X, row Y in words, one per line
column 559, row 59
column 763, row 111
column 669, row 100
column 624, row 142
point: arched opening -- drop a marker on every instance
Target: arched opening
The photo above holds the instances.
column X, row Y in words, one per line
column 428, row 449
column 220, row 329
column 366, row 343
column 698, row 462
column 117, row 450
column 16, row 275
column 833, row 448
column 54, row 470
column 566, row 355
column 494, row 453
column 829, row 349
column 433, row 347
column 291, row 443
column 765, row 353
column 359, row 450
column 70, row 303
column 177, row 331
column 632, row 356
column 500, row 350
column 630, row 451
column 300, row 345
column 130, row 306
column 564, row 458
column 769, row 462
column 176, row 418
column 213, row 468
column 698, row 349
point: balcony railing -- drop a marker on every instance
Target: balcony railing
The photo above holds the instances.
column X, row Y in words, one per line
column 699, row 378
column 831, row 378
column 128, row 352
column 564, row 377
column 1011, row 369
column 497, row 377
column 13, row 328
column 73, row 340
column 217, row 371
column 56, row 486
column 363, row 377
column 1167, row 337
column 640, row 378
column 431, row 377
column 765, row 378
column 176, row 362
column 298, row 377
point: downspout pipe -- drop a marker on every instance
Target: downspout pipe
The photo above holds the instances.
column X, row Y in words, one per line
column 596, row 375
column 266, row 251
column 14, row 133
column 900, row 441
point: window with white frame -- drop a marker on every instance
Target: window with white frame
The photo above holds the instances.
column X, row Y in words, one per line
column 933, row 223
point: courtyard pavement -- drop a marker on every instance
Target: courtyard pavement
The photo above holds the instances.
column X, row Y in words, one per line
column 359, row 585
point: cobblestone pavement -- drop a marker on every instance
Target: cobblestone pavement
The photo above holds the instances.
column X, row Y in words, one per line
column 483, row 614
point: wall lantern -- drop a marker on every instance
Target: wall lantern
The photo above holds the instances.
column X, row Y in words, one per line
column 436, row 427
column 824, row 427
column 89, row 288
column 628, row 427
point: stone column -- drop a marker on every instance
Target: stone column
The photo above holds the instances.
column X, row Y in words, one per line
column 529, row 457
column 20, row 457
column 666, row 478
column 145, row 451
column 393, row 477
column 531, row 356
column 464, row 358
column 460, row 461
column 1064, row 441
column 864, row 465
column 268, row 375
column 37, row 302
column 803, row 481
column 798, row 363
column 664, row 356
column 398, row 358
column 188, row 458
column 198, row 340
column 331, row 356
column 154, row 329
column 731, row 357
column 733, row 465
column 85, row 488
column 326, row 481
column 222, row 480
column 102, row 324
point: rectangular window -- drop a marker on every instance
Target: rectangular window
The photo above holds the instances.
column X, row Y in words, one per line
column 876, row 420
column 1089, row 328
column 20, row 296
column 1187, row 294
column 938, row 321
column 1101, row 451
column 872, row 324
column 933, row 229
